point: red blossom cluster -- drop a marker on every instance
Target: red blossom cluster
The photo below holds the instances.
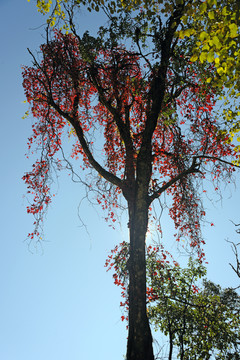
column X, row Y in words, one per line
column 101, row 90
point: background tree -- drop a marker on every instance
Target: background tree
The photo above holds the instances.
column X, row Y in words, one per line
column 150, row 110
column 201, row 321
column 198, row 317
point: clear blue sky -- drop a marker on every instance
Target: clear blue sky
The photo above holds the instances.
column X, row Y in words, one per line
column 61, row 304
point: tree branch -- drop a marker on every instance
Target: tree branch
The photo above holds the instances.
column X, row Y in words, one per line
column 74, row 121
column 215, row 158
column 193, row 169
column 236, row 269
column 158, row 85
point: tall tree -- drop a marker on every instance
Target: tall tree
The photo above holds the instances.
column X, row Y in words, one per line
column 154, row 116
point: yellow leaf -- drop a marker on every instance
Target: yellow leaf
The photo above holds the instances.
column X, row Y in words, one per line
column 224, row 11
column 203, row 36
column 188, row 32
column 216, row 42
column 25, row 115
column 211, row 15
column 210, row 56
column 220, row 70
column 203, row 56
column 205, row 47
column 194, row 58
column 181, row 34
column 184, row 19
column 233, row 30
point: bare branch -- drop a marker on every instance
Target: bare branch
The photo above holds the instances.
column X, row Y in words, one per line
column 235, row 268
column 217, row 159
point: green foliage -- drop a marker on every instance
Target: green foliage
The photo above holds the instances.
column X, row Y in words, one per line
column 199, row 318
column 200, row 321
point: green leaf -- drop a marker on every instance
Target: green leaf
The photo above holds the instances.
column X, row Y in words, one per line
column 203, row 7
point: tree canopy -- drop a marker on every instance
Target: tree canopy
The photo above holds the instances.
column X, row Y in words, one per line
column 212, row 27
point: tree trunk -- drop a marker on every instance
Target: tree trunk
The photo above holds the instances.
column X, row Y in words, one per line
column 139, row 345
column 170, row 344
